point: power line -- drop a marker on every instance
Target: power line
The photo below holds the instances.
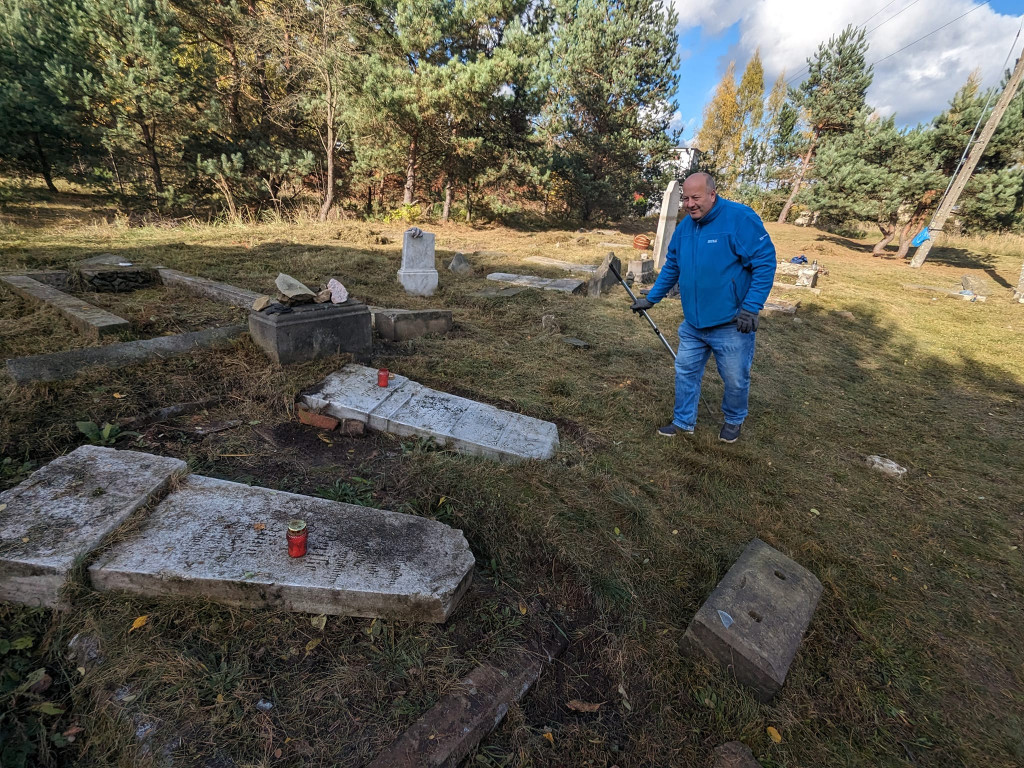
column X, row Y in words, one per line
column 892, row 17
column 869, row 18
column 922, row 37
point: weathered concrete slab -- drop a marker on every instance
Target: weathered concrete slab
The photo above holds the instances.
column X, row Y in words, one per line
column 55, row 278
column 789, row 268
column 66, row 365
column 450, row 729
column 200, row 286
column 65, row 510
column 408, row 324
column 568, row 266
column 604, row 278
column 966, row 296
column 791, row 287
column 807, row 278
column 408, row 408
column 755, row 619
column 313, row 331
column 640, row 271
column 667, row 221
column 225, row 542
column 779, row 307
column 564, row 285
column 89, row 320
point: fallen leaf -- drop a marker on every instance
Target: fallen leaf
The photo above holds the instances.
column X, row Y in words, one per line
column 220, row 698
column 617, row 531
column 48, row 708
column 24, row 539
column 815, row 512
column 549, row 737
column 139, row 622
column 3, row 507
column 278, row 753
column 319, row 622
column 118, row 395
column 81, row 671
column 775, row 735
column 325, row 438
column 248, row 574
column 675, row 532
column 312, row 644
column 259, row 526
column 522, row 607
column 583, row 706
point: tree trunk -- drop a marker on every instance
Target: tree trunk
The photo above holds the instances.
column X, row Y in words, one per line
column 329, row 191
column 799, row 180
column 44, row 163
column 369, row 199
column 149, row 137
column 916, row 220
column 410, row 172
column 888, row 233
column 448, row 193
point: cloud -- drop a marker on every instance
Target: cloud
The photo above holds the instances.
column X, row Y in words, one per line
column 915, row 84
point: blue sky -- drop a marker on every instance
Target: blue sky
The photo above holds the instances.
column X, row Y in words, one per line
column 915, row 84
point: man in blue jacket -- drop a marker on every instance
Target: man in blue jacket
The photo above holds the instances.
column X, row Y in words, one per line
column 724, row 262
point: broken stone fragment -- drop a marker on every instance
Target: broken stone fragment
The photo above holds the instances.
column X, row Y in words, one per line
column 460, row 265
column 293, row 289
column 261, row 303
column 339, row 294
column 323, row 296
column 886, row 466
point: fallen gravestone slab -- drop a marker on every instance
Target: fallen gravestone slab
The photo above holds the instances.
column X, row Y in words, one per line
column 793, row 287
column 65, row 510
column 886, row 466
column 779, row 307
column 454, row 726
column 66, row 365
column 753, row 622
column 115, row 279
column 89, row 320
column 407, row 408
column 789, row 268
column 313, row 331
column 408, row 324
column 974, row 285
column 200, row 286
column 963, row 295
column 564, row 285
column 225, row 542
column 568, row 266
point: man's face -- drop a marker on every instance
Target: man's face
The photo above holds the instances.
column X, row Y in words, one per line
column 697, row 200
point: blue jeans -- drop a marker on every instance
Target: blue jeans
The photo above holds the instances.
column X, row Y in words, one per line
column 734, row 354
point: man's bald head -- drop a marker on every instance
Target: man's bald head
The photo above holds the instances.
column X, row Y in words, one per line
column 699, row 194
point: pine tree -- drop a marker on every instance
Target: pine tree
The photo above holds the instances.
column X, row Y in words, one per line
column 606, row 122
column 832, row 96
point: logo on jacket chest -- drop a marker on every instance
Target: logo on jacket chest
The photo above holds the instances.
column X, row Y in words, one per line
column 712, row 241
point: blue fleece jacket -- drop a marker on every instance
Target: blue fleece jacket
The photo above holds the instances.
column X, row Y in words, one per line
column 723, row 263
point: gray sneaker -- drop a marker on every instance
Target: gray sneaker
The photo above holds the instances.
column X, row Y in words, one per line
column 671, row 430
column 730, row 433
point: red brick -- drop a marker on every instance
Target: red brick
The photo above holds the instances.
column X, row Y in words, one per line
column 317, row 420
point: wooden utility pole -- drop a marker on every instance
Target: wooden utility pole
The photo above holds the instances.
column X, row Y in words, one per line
column 957, row 188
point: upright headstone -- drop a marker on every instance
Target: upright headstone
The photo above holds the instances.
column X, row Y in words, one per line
column 460, row 265
column 666, row 222
column 418, row 274
column 604, row 278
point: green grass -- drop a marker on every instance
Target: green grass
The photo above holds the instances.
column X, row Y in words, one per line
column 915, row 655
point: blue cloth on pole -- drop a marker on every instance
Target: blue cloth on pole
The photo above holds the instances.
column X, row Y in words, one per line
column 920, row 237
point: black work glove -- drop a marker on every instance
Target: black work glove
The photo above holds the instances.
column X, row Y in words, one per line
column 641, row 305
column 746, row 322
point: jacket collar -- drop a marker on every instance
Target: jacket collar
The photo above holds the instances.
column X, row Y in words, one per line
column 712, row 214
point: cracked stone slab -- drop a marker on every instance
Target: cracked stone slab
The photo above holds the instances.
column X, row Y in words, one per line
column 65, row 510
column 563, row 285
column 409, row 409
column 755, row 619
column 226, row 542
column 200, row 286
column 65, row 365
column 89, row 320
column 568, row 266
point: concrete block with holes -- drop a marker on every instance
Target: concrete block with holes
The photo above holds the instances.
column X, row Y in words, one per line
column 754, row 621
